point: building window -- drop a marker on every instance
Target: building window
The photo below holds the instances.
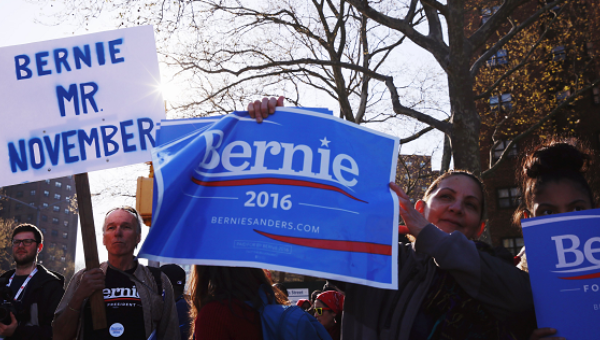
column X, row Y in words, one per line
column 29, row 217
column 486, row 13
column 502, row 102
column 499, row 58
column 58, row 184
column 18, row 218
column 47, row 181
column 55, row 220
column 46, row 193
column 32, row 193
column 558, row 53
column 509, row 197
column 45, row 205
column 44, row 218
column 499, row 149
column 32, row 204
column 18, row 206
column 56, row 208
column 513, row 245
column 52, row 245
column 56, row 196
column 66, row 211
column 66, row 223
column 54, row 232
column 68, row 187
column 596, row 95
column 52, row 257
column 409, row 163
column 64, row 247
column 65, row 235
column 63, row 259
column 20, row 193
column 43, row 230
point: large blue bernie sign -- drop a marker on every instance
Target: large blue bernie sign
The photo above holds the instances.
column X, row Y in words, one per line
column 303, row 192
column 564, row 266
column 78, row 104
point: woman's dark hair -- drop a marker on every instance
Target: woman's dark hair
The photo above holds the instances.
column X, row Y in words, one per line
column 282, row 288
column 215, row 283
column 313, row 296
column 552, row 161
column 433, row 187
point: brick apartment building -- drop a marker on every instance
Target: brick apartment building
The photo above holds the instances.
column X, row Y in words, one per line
column 565, row 57
column 50, row 205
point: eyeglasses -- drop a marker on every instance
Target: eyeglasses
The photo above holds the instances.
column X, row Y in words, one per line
column 26, row 242
column 320, row 310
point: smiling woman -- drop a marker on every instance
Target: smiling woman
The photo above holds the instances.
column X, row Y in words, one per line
column 450, row 287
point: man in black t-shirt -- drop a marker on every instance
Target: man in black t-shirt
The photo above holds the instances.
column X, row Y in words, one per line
column 35, row 291
column 136, row 306
column 124, row 313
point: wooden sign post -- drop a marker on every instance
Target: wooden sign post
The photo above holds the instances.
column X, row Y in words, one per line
column 90, row 249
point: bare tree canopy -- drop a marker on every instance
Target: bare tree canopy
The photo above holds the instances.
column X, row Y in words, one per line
column 349, row 50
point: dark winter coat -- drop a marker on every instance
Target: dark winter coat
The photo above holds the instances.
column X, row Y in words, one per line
column 37, row 303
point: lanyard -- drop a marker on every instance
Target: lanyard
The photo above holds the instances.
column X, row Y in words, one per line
column 24, row 283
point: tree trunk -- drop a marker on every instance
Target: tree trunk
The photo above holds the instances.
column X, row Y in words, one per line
column 446, row 156
column 466, row 122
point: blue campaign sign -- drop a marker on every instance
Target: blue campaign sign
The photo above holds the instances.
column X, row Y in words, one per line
column 564, row 266
column 173, row 129
column 302, row 192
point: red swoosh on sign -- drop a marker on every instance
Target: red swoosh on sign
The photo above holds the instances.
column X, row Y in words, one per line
column 582, row 277
column 270, row 180
column 350, row 246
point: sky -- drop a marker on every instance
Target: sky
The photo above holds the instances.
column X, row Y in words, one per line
column 18, row 25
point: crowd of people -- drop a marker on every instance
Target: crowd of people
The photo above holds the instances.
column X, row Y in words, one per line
column 451, row 286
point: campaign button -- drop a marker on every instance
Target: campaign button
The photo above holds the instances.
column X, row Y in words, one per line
column 116, row 330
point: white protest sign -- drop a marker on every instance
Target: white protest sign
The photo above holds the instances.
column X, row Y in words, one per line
column 78, row 104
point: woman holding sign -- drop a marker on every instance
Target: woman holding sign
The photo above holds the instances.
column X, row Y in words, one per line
column 450, row 287
column 553, row 182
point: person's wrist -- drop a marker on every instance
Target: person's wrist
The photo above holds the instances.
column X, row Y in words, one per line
column 416, row 228
column 73, row 309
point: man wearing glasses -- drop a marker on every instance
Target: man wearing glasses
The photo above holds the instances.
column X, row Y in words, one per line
column 36, row 291
column 139, row 301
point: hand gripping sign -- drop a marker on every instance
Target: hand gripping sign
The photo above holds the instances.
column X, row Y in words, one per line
column 303, row 192
column 563, row 256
